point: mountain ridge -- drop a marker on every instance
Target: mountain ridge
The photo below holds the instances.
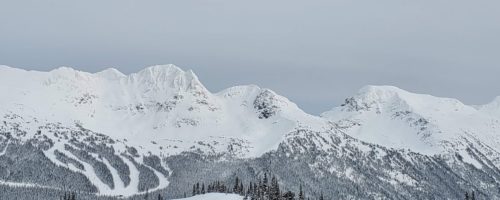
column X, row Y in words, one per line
column 158, row 128
column 114, row 73
column 163, row 97
column 167, row 92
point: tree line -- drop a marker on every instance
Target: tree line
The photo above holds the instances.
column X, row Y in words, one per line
column 262, row 189
column 69, row 196
column 472, row 196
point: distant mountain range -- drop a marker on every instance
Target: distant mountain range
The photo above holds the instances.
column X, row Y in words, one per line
column 110, row 135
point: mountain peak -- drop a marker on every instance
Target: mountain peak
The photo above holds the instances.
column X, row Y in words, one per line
column 493, row 107
column 381, row 89
column 69, row 74
column 382, row 93
column 168, row 68
column 496, row 101
column 64, row 69
column 375, row 97
column 390, row 97
column 168, row 77
column 111, row 73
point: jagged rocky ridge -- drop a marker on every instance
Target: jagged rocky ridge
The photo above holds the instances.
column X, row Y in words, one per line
column 159, row 129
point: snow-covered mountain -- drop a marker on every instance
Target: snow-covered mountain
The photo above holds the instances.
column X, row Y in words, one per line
column 160, row 103
column 159, row 129
column 395, row 118
column 492, row 108
column 161, row 111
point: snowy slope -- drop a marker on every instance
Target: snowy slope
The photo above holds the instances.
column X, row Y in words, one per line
column 492, row 108
column 392, row 117
column 115, row 129
column 214, row 196
column 115, row 133
column 160, row 103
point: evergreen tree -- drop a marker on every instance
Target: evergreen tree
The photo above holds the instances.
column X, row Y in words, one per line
column 146, row 196
column 250, row 189
column 260, row 194
column 255, row 192
column 159, row 197
column 289, row 195
column 236, row 185
column 301, row 193
column 241, row 190
column 198, row 191
column 321, row 196
column 203, row 188
column 264, row 188
column 274, row 190
column 265, row 183
column 473, row 196
column 467, row 196
column 194, row 189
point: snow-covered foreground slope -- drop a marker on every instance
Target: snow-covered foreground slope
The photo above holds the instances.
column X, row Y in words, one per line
column 214, row 196
column 160, row 130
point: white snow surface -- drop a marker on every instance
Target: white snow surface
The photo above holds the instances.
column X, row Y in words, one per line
column 395, row 118
column 164, row 111
column 492, row 108
column 164, row 106
column 156, row 107
column 214, row 196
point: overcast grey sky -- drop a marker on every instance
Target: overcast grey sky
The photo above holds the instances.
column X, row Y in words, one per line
column 316, row 53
